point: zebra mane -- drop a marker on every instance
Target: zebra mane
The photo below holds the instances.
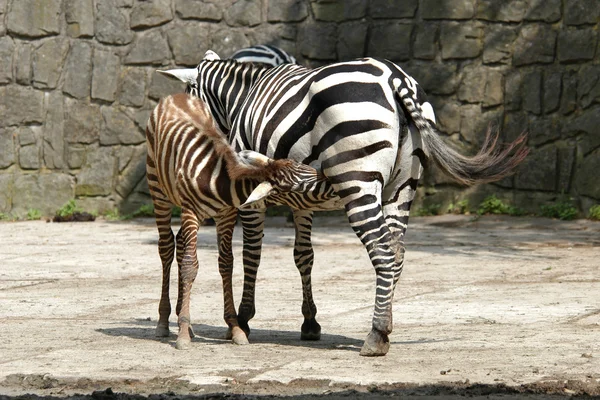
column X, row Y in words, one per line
column 195, row 112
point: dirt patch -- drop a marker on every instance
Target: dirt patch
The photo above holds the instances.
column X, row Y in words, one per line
column 487, row 308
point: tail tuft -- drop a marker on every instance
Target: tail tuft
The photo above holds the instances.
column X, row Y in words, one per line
column 492, row 163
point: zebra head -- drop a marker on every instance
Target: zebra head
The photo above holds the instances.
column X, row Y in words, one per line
column 189, row 76
column 285, row 177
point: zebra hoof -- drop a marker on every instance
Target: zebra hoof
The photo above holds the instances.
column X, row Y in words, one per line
column 310, row 330
column 162, row 331
column 238, row 336
column 376, row 344
column 183, row 344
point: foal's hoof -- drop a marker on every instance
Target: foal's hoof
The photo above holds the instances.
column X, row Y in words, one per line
column 376, row 344
column 238, row 336
column 183, row 344
column 162, row 331
column 310, row 330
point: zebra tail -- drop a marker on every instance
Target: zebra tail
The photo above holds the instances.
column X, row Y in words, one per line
column 493, row 161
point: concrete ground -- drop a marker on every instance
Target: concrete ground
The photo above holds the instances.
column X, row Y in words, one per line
column 497, row 306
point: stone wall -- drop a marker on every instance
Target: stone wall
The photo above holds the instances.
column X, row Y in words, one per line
column 77, row 83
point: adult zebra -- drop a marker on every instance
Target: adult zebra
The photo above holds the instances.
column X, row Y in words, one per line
column 369, row 125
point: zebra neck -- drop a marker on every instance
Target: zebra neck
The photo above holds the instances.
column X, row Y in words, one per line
column 226, row 84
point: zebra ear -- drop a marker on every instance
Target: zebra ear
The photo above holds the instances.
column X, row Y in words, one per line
column 211, row 56
column 260, row 192
column 187, row 75
column 253, row 158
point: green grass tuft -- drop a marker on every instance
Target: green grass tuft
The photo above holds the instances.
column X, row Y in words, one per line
column 493, row 205
column 594, row 213
column 562, row 209
column 33, row 214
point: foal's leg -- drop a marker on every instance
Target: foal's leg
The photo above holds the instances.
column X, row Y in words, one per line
column 304, row 257
column 166, row 250
column 225, row 222
column 188, row 271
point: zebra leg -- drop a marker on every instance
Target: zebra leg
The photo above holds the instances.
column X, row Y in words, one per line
column 188, row 272
column 225, row 223
column 253, row 223
column 366, row 217
column 304, row 257
column 179, row 253
column 166, row 249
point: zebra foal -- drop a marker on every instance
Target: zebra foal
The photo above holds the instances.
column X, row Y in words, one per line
column 190, row 164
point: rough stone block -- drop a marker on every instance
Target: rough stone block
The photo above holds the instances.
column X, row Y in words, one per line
column 21, row 105
column 7, row 155
column 23, row 64
column 134, row 172
column 287, row 11
column 494, row 89
column 142, row 116
column 580, row 12
column 461, row 40
column 513, row 125
column 105, row 75
column 29, row 157
column 586, row 125
column 447, row 9
column 472, row 87
column 448, row 117
column 53, row 131
column 393, row 9
column 161, row 86
column 568, row 100
column 512, row 90
column 78, row 73
column 532, row 92
column 471, row 122
column 112, row 23
column 34, row 18
column 119, row 128
column 339, row 10
column 83, row 124
column 538, row 171
column 80, row 18
column 97, row 173
column 149, row 47
column 502, row 10
column 351, row 42
column 576, row 45
column 133, row 86
column 586, row 178
column 543, row 130
column 7, row 184
column 226, row 41
column 199, row 9
column 244, row 13
column 396, row 49
column 46, row 192
column 76, row 156
column 441, row 79
column 148, row 14
column 588, row 85
column 425, row 45
column 318, row 41
column 535, row 44
column 7, row 47
column 48, row 60
column 189, row 42
column 543, row 10
column 566, row 161
column 498, row 44
column 552, row 87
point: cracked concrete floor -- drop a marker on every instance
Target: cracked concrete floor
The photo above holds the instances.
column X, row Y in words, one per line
column 496, row 301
